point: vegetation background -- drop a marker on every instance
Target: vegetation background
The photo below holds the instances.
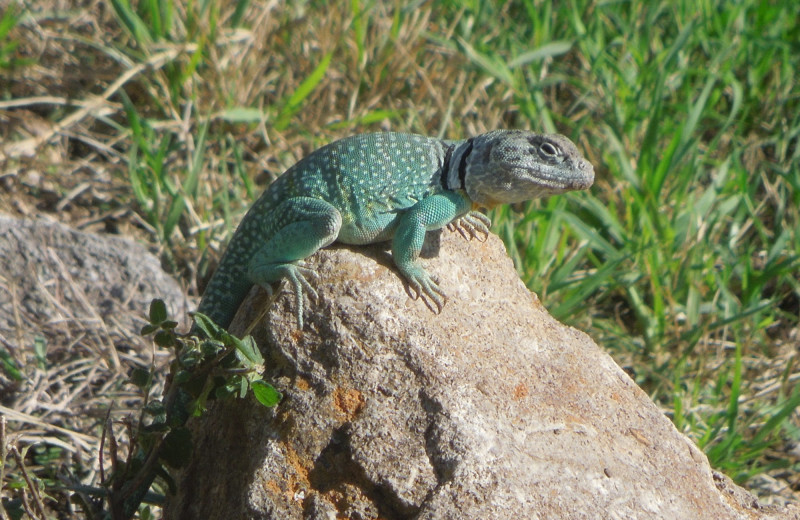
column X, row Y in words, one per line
column 163, row 120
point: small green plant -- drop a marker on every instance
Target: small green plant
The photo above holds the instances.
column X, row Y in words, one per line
column 218, row 366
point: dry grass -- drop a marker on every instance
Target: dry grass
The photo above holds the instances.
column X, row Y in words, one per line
column 64, row 155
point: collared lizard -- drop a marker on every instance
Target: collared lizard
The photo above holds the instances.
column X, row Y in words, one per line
column 386, row 186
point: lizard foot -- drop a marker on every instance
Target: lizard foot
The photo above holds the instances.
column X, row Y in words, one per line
column 472, row 225
column 297, row 275
column 422, row 284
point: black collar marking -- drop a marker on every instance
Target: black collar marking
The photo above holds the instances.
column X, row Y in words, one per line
column 448, row 154
column 462, row 166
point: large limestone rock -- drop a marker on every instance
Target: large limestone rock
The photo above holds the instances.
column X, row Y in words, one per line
column 490, row 410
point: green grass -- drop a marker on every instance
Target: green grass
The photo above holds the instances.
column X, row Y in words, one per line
column 683, row 259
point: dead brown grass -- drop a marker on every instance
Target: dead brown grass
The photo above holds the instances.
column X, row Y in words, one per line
column 63, row 155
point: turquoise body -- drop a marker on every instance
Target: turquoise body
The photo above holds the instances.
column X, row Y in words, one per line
column 386, row 186
column 362, row 189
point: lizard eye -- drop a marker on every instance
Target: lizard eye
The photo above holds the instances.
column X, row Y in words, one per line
column 549, row 150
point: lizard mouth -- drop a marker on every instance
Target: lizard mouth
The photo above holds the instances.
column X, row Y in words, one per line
column 583, row 179
column 579, row 176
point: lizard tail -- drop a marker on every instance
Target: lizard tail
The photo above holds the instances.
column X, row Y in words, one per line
column 225, row 293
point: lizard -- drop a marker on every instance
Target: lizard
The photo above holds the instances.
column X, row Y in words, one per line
column 377, row 187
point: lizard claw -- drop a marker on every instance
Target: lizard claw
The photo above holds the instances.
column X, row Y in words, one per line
column 472, row 225
column 301, row 275
column 298, row 276
column 423, row 284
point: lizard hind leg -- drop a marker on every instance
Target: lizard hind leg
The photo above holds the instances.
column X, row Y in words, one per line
column 299, row 227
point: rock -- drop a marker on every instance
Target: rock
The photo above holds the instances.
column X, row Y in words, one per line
column 59, row 283
column 490, row 410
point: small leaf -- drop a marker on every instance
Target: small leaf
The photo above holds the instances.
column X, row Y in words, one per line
column 198, row 407
column 190, row 358
column 140, row 377
column 10, row 366
column 210, row 348
column 149, row 329
column 164, row 339
column 178, row 412
column 209, row 328
column 169, row 324
column 145, row 513
column 158, row 311
column 16, row 484
column 247, row 352
column 266, row 393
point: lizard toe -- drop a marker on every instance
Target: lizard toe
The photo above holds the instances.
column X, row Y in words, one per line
column 298, row 277
column 425, row 287
column 434, row 297
column 303, row 274
column 472, row 225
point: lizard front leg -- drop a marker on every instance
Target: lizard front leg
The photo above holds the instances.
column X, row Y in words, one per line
column 433, row 212
column 300, row 226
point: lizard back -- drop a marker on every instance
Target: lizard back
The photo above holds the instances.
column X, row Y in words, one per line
column 368, row 178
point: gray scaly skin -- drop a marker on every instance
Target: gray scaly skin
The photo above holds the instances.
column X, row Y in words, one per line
column 387, row 186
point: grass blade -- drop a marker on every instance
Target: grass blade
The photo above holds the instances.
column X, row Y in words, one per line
column 305, row 88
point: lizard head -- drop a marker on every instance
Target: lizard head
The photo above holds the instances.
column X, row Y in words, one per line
column 509, row 166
